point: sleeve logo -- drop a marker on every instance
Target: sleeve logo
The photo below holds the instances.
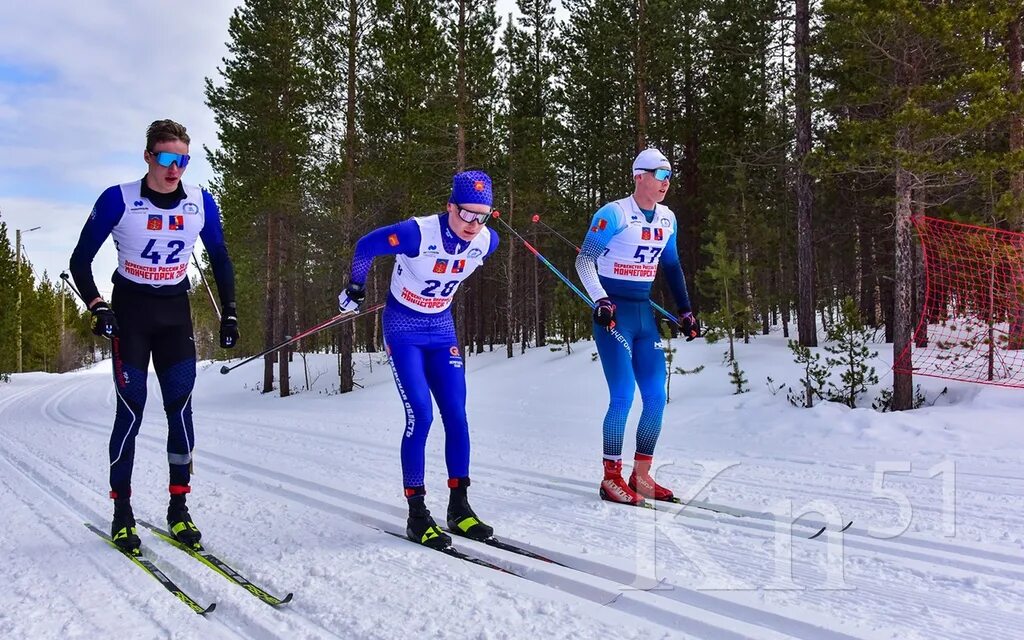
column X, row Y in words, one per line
column 393, row 239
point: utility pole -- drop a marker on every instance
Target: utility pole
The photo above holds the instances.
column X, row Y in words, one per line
column 17, row 308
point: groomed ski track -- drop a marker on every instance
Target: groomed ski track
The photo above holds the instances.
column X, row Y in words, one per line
column 290, row 490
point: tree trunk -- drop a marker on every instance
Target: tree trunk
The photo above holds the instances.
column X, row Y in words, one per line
column 283, row 303
column 921, row 337
column 639, row 65
column 903, row 381
column 346, row 339
column 460, row 88
column 269, row 330
column 1015, row 339
column 1014, row 54
column 806, row 322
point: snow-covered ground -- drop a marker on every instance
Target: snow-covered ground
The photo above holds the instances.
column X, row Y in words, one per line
column 284, row 488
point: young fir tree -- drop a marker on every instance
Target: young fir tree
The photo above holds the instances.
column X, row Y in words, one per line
column 815, row 377
column 850, row 353
column 720, row 280
column 8, row 291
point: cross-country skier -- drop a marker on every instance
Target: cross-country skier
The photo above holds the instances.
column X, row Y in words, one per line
column 617, row 264
column 155, row 222
column 433, row 255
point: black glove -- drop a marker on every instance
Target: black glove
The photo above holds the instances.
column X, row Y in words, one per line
column 604, row 313
column 229, row 327
column 104, row 322
column 690, row 326
column 352, row 297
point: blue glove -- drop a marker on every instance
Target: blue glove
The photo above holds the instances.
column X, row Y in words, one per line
column 351, row 297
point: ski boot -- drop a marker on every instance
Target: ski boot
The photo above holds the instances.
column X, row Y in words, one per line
column 179, row 522
column 615, row 489
column 461, row 519
column 421, row 528
column 641, row 481
column 122, row 528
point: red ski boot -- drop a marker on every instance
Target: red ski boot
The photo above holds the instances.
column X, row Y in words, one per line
column 642, row 482
column 614, row 488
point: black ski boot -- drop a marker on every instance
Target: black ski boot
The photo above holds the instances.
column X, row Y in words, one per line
column 122, row 529
column 420, row 527
column 179, row 522
column 461, row 519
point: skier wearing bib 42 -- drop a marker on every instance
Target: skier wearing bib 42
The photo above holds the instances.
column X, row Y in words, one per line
column 619, row 259
column 155, row 222
column 433, row 255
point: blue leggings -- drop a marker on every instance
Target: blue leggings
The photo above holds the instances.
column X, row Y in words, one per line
column 425, row 365
column 646, row 369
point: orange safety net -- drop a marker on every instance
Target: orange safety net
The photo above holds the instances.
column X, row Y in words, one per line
column 972, row 324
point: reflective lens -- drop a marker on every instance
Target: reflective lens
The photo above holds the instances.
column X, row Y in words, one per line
column 473, row 216
column 661, row 174
column 166, row 158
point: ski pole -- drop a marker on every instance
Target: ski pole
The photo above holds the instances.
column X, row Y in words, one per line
column 67, row 280
column 657, row 307
column 341, row 318
column 207, row 283
column 615, row 332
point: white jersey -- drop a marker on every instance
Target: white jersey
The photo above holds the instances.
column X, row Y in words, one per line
column 427, row 282
column 634, row 252
column 153, row 244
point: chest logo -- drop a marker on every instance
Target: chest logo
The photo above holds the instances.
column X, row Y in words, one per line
column 190, row 208
column 155, row 223
column 458, row 266
column 475, row 253
column 441, row 265
column 659, row 233
column 645, row 233
column 176, row 223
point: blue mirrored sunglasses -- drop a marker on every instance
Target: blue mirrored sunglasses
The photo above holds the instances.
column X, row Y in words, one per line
column 660, row 174
column 473, row 216
column 166, row 158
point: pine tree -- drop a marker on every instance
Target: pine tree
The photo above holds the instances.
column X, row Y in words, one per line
column 265, row 112
column 850, row 352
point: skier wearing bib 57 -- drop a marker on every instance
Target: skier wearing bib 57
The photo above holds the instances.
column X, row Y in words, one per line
column 433, row 255
column 155, row 222
column 617, row 264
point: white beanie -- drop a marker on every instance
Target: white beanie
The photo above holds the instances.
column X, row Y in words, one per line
column 650, row 159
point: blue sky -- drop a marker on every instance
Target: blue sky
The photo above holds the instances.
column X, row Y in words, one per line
column 79, row 84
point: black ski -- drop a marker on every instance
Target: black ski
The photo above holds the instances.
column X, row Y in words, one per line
column 218, row 565
column 741, row 513
column 511, row 548
column 147, row 565
column 729, row 511
column 455, row 553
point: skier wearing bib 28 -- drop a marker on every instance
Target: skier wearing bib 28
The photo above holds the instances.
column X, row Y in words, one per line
column 433, row 255
column 155, row 222
column 617, row 265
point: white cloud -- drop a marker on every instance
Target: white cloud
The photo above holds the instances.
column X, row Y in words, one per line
column 79, row 84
